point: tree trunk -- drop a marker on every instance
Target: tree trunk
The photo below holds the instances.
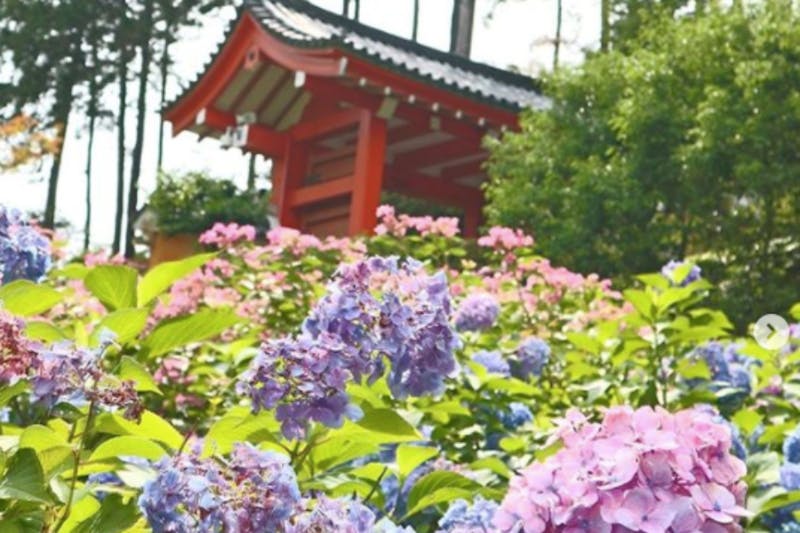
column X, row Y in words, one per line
column 251, row 173
column 346, row 8
column 605, row 25
column 415, row 23
column 461, row 27
column 87, row 226
column 122, row 104
column 164, row 66
column 557, row 42
column 357, row 14
column 141, row 117
column 62, row 107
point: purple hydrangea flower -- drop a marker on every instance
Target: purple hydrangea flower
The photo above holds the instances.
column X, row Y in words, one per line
column 493, row 362
column 24, row 251
column 464, row 518
column 669, row 269
column 477, row 312
column 532, row 356
column 256, row 491
column 790, row 476
column 105, row 479
column 61, row 372
column 373, row 309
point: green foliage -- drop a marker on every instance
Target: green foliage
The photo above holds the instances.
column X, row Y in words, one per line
column 679, row 144
column 193, row 202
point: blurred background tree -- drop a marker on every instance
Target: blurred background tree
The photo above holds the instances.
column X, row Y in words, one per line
column 681, row 142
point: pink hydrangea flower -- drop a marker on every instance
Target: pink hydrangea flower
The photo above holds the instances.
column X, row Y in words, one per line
column 505, row 239
column 637, row 470
column 225, row 235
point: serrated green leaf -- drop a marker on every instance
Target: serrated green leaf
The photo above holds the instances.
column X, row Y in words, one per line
column 25, row 298
column 410, row 457
column 151, row 426
column 180, row 331
column 130, row 368
column 10, row 392
column 44, row 331
column 439, row 487
column 160, row 278
column 24, row 479
column 113, row 285
column 127, row 445
column 125, row 323
column 239, row 425
column 115, row 515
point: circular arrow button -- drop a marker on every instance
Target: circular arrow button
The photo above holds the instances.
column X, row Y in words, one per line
column 771, row 332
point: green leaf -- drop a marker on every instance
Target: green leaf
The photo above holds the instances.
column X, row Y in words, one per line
column 130, row 368
column 113, row 285
column 795, row 311
column 44, row 331
column 26, row 298
column 239, row 425
column 10, row 392
column 747, row 420
column 439, row 487
column 52, row 449
column 125, row 323
column 115, row 515
column 493, row 464
column 641, row 302
column 24, row 479
column 410, row 457
column 180, row 331
column 127, row 445
column 693, row 369
column 383, row 426
column 151, row 426
column 159, row 279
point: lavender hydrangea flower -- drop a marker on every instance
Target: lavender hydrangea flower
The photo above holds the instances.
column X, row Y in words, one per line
column 464, row 518
column 256, row 491
column 668, row 271
column 532, row 356
column 374, row 309
column 477, row 312
column 24, row 251
column 493, row 362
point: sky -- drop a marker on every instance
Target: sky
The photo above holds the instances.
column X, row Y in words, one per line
column 515, row 33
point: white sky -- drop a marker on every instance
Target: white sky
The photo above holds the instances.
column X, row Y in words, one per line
column 519, row 34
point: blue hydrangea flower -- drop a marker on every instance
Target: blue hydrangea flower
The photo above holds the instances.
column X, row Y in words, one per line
column 105, row 479
column 791, row 447
column 493, row 362
column 464, row 518
column 517, row 415
column 669, row 269
column 24, row 251
column 727, row 365
column 255, row 491
column 790, row 476
column 532, row 356
column 477, row 312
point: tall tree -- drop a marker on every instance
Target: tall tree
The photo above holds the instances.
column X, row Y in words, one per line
column 144, row 45
column 124, row 52
column 415, row 22
column 557, row 41
column 461, row 24
column 94, row 43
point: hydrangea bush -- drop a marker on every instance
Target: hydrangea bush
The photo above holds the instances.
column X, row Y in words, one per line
column 412, row 381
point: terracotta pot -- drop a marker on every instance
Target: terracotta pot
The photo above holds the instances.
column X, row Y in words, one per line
column 165, row 248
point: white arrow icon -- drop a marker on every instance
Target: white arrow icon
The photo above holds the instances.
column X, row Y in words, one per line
column 771, row 332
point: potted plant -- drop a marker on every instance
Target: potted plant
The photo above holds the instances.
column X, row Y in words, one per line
column 183, row 206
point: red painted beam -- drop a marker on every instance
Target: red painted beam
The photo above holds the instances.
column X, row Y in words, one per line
column 315, row 127
column 215, row 119
column 265, row 141
column 464, row 170
column 435, row 154
column 321, row 191
column 335, row 93
column 422, row 186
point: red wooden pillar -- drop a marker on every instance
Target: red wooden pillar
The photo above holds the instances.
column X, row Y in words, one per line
column 472, row 220
column 368, row 177
column 290, row 171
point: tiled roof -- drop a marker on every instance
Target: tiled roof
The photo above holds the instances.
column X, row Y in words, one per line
column 303, row 24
